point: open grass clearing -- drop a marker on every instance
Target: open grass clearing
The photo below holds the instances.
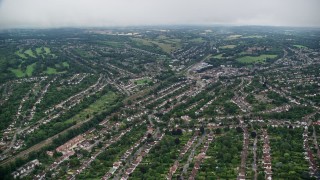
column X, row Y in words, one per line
column 65, row 64
column 98, row 106
column 219, row 56
column 253, row 36
column 234, row 36
column 143, row 81
column 166, row 45
column 299, row 46
column 228, row 46
column 20, row 73
column 47, row 50
column 30, row 69
column 198, row 40
column 83, row 53
column 256, row 59
column 51, row 71
column 30, row 53
column 39, row 50
column 21, row 55
column 142, row 41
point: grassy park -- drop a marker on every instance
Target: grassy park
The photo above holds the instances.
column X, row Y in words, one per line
column 255, row 59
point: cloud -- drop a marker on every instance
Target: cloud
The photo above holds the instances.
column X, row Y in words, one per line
column 77, row 13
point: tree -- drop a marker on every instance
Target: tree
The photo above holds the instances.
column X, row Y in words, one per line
column 239, row 129
column 177, row 141
column 253, row 134
column 74, row 162
column 202, row 130
column 177, row 132
column 57, row 154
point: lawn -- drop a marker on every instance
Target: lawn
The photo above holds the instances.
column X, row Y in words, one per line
column 47, row 50
column 39, row 50
column 21, row 55
column 299, row 46
column 243, row 53
column 83, row 53
column 113, row 44
column 30, row 53
column 142, row 41
column 142, row 81
column 256, row 59
column 219, row 56
column 254, row 36
column 98, row 106
column 232, row 37
column 19, row 73
column 167, row 46
column 30, row 69
column 228, row 47
column 51, row 71
column 197, row 40
column 65, row 64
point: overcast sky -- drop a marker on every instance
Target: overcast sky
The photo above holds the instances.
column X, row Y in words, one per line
column 75, row 13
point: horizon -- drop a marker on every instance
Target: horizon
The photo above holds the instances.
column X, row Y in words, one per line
column 47, row 14
column 170, row 26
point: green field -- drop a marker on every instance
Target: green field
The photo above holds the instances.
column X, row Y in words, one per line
column 30, row 69
column 142, row 81
column 83, row 53
column 219, row 56
column 113, row 44
column 65, row 64
column 166, row 45
column 232, row 37
column 30, row 53
column 299, row 46
column 47, row 50
column 51, row 71
column 228, row 47
column 197, row 40
column 39, row 50
column 21, row 55
column 254, row 36
column 142, row 41
column 19, row 73
column 243, row 53
column 98, row 106
column 255, row 59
